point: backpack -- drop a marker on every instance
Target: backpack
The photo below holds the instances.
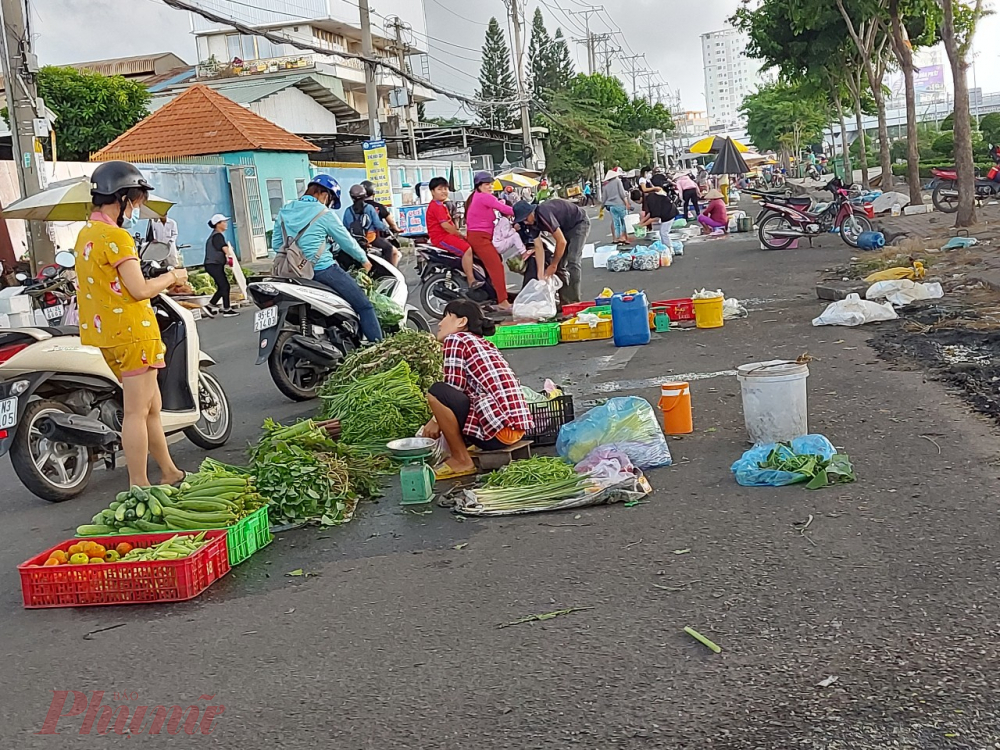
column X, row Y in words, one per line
column 291, row 262
column 359, row 224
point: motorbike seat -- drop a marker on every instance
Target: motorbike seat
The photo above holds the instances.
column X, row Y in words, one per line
column 57, row 331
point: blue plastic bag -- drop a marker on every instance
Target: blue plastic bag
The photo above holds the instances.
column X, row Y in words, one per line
column 749, row 474
column 658, row 247
column 626, row 423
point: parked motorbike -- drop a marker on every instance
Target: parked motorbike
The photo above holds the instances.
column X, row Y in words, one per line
column 443, row 280
column 945, row 192
column 768, row 199
column 52, row 292
column 305, row 328
column 784, row 222
column 61, row 408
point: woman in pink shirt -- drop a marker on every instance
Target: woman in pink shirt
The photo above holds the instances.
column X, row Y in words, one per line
column 714, row 218
column 480, row 218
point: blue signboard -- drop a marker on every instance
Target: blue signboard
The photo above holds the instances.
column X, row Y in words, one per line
column 413, row 220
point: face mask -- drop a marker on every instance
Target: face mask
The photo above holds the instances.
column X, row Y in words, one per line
column 129, row 221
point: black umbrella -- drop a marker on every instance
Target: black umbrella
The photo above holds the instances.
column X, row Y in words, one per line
column 729, row 160
column 451, row 178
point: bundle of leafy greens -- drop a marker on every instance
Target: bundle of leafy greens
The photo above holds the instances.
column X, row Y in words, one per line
column 378, row 408
column 420, row 351
column 816, row 470
column 389, row 314
column 307, row 476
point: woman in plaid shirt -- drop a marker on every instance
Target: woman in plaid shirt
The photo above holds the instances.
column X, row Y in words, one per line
column 480, row 401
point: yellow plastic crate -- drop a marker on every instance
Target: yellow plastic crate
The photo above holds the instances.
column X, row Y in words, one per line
column 571, row 330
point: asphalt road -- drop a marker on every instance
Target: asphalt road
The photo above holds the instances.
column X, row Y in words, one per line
column 393, row 638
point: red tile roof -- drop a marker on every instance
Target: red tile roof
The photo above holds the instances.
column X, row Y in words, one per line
column 199, row 122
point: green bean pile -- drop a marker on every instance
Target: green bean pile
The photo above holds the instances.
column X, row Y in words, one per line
column 530, row 472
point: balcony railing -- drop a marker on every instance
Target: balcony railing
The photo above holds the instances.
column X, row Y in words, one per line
column 212, row 68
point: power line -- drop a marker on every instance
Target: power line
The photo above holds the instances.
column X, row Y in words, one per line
column 375, row 62
column 468, row 20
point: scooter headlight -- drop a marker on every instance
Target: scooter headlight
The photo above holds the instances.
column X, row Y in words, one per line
column 266, row 288
column 19, row 387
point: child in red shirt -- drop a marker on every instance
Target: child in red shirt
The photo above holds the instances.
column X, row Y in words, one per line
column 442, row 230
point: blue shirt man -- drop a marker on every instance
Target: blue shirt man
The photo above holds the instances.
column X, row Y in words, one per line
column 322, row 194
column 366, row 215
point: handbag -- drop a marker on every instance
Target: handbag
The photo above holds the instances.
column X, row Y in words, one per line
column 291, row 262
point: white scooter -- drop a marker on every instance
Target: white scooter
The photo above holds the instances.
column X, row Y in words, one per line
column 306, row 329
column 61, row 406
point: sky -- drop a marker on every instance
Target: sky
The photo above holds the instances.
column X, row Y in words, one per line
column 667, row 31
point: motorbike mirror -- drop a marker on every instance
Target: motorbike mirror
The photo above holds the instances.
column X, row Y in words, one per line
column 22, row 277
column 65, row 258
column 155, row 251
column 49, row 272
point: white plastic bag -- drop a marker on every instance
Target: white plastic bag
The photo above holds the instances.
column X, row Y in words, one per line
column 733, row 309
column 901, row 292
column 854, row 311
column 537, row 301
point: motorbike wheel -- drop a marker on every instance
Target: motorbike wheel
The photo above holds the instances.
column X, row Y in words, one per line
column 52, row 471
column 416, row 322
column 945, row 203
column 432, row 304
column 296, row 379
column 770, row 224
column 215, row 426
column 852, row 227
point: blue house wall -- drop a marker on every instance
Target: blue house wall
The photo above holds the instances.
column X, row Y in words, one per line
column 199, row 191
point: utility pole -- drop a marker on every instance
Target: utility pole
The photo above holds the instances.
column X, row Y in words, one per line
column 634, row 70
column 371, row 89
column 517, row 19
column 401, row 50
column 589, row 41
column 19, row 69
column 603, row 40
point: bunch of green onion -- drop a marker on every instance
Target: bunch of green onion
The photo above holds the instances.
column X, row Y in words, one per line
column 533, row 497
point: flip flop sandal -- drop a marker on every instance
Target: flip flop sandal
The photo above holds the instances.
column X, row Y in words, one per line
column 446, row 472
column 177, row 485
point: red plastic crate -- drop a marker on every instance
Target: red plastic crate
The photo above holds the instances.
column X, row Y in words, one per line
column 678, row 310
column 571, row 311
column 124, row 583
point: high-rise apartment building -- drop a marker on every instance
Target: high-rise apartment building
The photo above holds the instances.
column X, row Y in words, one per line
column 729, row 75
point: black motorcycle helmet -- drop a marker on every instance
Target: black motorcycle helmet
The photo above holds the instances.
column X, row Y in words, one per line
column 114, row 176
column 358, row 193
column 118, row 182
column 369, row 188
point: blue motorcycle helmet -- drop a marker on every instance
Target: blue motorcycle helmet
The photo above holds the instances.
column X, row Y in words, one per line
column 329, row 184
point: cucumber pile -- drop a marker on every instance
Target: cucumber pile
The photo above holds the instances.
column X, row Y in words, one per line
column 203, row 502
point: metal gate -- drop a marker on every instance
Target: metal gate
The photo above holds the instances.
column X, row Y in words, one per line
column 248, row 213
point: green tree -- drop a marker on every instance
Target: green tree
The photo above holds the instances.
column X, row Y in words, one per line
column 562, row 62
column 496, row 80
column 785, row 116
column 958, row 26
column 540, row 56
column 595, row 120
column 913, row 24
column 989, row 126
column 91, row 109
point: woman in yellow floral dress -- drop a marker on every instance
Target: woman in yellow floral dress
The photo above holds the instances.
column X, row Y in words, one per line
column 117, row 317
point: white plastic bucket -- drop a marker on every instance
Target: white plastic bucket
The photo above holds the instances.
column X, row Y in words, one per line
column 775, row 406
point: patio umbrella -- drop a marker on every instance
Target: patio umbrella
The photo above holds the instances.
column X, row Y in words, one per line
column 69, row 200
column 713, row 144
column 514, row 180
column 729, row 160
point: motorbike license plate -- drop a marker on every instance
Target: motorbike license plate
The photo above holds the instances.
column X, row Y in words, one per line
column 266, row 318
column 53, row 313
column 8, row 413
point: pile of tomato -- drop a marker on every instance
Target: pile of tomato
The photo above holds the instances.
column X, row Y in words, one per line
column 85, row 553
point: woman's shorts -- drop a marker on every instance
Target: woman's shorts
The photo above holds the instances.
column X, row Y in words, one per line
column 128, row 360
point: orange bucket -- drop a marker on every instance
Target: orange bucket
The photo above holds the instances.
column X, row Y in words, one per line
column 675, row 402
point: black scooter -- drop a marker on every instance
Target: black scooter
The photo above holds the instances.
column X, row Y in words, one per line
column 443, row 280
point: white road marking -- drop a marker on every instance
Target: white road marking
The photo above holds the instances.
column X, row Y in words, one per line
column 614, row 386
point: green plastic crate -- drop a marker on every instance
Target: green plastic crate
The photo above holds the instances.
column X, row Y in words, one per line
column 524, row 336
column 599, row 310
column 249, row 535
column 242, row 540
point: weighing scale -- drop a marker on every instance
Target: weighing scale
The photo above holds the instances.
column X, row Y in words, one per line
column 416, row 477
